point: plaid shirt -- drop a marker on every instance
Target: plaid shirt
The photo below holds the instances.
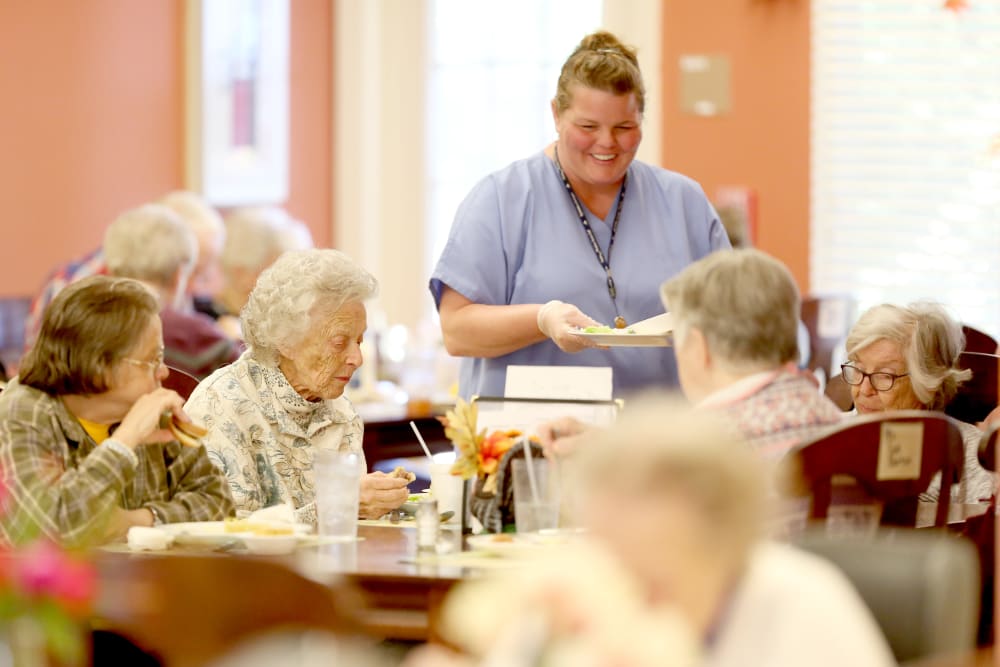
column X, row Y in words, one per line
column 60, row 482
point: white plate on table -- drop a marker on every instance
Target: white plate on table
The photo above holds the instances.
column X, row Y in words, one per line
column 215, row 533
column 653, row 332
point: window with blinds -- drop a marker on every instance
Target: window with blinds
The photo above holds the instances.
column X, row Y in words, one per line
column 906, row 154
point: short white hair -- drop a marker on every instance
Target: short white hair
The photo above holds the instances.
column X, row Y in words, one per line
column 746, row 304
column 150, row 243
column 255, row 235
column 288, row 294
column 662, row 443
column 929, row 340
column 203, row 220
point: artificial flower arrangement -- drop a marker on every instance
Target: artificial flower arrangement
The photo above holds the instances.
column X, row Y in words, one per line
column 45, row 597
column 478, row 453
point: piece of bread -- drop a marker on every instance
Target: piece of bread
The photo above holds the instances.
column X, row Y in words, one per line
column 403, row 473
column 186, row 433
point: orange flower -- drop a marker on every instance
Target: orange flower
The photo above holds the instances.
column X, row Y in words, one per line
column 956, row 5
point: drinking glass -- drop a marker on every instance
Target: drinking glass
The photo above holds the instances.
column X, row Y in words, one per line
column 535, row 512
column 337, row 478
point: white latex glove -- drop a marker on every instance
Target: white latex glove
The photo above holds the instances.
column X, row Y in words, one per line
column 559, row 320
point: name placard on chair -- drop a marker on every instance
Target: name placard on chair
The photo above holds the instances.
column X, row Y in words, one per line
column 899, row 450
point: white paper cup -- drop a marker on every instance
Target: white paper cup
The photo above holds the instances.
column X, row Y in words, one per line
column 446, row 489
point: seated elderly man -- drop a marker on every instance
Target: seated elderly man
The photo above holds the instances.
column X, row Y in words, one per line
column 153, row 245
column 255, row 237
column 906, row 358
column 82, row 454
column 203, row 220
column 269, row 412
column 736, row 317
column 680, row 510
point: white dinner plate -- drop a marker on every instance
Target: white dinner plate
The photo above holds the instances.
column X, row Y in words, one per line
column 215, row 533
column 653, row 332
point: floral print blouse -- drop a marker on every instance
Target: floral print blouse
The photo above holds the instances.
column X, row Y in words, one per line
column 262, row 434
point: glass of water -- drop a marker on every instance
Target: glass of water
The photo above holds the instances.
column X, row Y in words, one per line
column 337, row 478
column 535, row 508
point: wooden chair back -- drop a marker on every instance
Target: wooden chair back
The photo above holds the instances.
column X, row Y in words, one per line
column 978, row 396
column 979, row 341
column 188, row 610
column 892, row 456
column 829, row 319
column 838, row 391
column 181, row 381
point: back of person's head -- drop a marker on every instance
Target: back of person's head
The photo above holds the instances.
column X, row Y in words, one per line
column 256, row 236
column 150, row 243
column 744, row 302
column 88, row 328
column 928, row 338
column 196, row 212
column 602, row 62
column 663, row 452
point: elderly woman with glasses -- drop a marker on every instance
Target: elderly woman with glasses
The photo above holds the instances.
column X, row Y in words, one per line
column 906, row 358
column 82, row 452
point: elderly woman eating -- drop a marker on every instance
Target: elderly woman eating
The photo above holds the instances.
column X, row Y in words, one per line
column 735, row 317
column 905, row 358
column 271, row 410
column 82, row 452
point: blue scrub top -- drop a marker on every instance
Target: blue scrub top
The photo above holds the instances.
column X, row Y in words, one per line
column 518, row 239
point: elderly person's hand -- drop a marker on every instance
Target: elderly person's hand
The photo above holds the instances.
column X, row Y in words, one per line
column 380, row 494
column 558, row 321
column 142, row 423
column 559, row 437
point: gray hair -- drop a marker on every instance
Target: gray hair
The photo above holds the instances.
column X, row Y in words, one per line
column 745, row 303
column 255, row 235
column 281, row 307
column 697, row 456
column 195, row 211
column 929, row 340
column 150, row 243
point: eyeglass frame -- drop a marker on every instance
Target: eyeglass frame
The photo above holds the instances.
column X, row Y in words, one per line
column 892, row 377
column 153, row 364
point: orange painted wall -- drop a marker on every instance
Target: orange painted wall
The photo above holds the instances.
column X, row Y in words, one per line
column 764, row 142
column 92, row 122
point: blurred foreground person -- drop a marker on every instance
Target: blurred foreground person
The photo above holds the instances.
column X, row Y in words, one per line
column 677, row 513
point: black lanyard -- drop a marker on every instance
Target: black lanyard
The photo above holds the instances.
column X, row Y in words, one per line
column 605, row 262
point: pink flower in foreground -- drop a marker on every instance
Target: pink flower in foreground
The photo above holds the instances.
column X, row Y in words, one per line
column 44, row 570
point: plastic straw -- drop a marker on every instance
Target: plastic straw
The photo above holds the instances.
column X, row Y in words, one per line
column 420, row 439
column 531, row 472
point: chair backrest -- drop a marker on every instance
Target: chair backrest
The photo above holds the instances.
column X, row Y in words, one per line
column 190, row 609
column 978, row 341
column 988, row 448
column 978, row 396
column 922, row 587
column 828, row 319
column 838, row 391
column 893, row 456
column 181, row 381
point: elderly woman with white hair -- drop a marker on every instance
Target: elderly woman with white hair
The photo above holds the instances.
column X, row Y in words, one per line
column 906, row 358
column 153, row 244
column 271, row 410
column 736, row 317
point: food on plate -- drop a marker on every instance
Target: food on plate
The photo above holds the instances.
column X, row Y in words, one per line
column 403, row 473
column 502, row 537
column 187, row 433
column 256, row 528
column 606, row 330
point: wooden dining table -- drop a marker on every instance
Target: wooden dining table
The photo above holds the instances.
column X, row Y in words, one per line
column 402, row 589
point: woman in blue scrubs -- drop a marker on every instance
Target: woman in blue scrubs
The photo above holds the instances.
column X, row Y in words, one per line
column 578, row 234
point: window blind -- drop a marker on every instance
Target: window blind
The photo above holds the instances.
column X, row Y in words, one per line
column 905, row 162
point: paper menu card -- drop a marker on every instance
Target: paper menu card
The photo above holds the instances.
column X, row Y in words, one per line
column 569, row 383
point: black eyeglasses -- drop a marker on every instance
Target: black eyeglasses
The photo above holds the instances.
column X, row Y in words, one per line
column 879, row 381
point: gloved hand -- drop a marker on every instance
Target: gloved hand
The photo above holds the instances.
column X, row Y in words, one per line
column 559, row 321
